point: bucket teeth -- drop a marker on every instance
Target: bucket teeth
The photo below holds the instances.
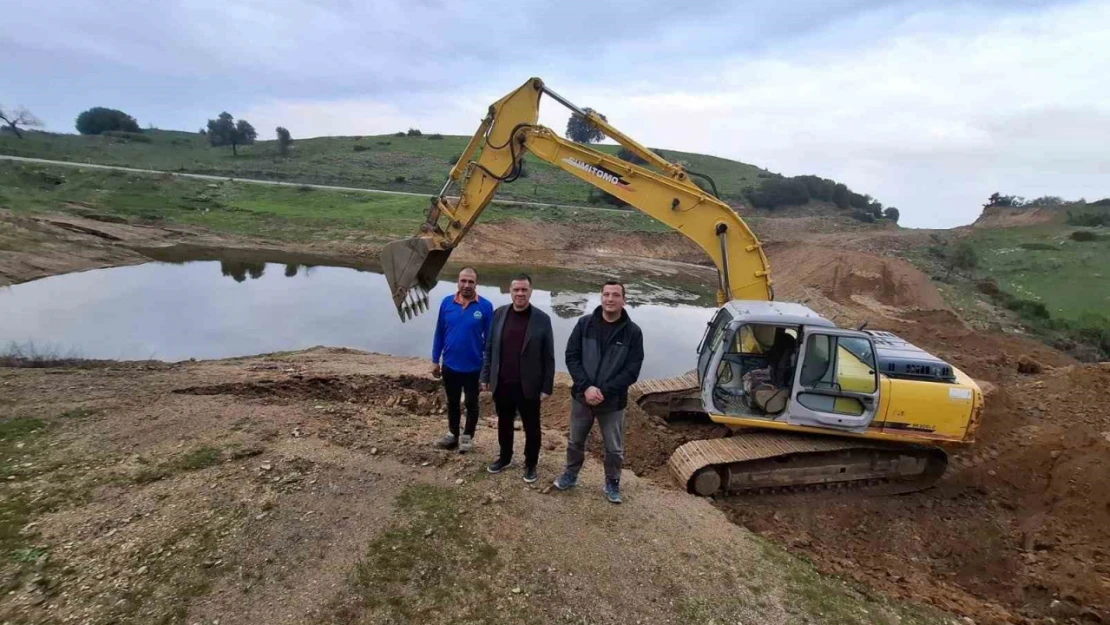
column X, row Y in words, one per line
column 415, row 303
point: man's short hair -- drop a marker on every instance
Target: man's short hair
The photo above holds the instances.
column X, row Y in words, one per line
column 615, row 283
column 522, row 276
column 471, row 270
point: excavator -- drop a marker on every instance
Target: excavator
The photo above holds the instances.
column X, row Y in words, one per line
column 808, row 405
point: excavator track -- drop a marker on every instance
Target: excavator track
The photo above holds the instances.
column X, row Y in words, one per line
column 767, row 462
column 668, row 397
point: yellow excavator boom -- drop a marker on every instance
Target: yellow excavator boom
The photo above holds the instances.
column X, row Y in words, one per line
column 510, row 130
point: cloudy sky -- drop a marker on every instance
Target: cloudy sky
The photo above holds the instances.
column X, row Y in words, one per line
column 928, row 105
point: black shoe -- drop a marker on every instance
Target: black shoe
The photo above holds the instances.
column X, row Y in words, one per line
column 499, row 466
column 530, row 474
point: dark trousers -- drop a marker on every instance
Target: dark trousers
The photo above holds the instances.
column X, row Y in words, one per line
column 509, row 400
column 456, row 382
column 611, row 424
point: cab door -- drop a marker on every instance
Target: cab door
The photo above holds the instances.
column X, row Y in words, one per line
column 836, row 382
column 714, row 334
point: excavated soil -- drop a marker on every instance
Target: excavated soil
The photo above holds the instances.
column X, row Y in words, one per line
column 850, row 286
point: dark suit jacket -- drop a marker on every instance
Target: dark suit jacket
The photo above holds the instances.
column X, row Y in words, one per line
column 537, row 360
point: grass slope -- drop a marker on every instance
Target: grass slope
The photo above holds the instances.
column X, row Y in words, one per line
column 283, row 213
column 417, row 164
column 1053, row 281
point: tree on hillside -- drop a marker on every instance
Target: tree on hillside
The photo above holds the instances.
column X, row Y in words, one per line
column 285, row 141
column 842, row 196
column 580, row 130
column 774, row 192
column 224, row 130
column 15, row 118
column 99, row 119
column 892, row 214
column 1008, row 201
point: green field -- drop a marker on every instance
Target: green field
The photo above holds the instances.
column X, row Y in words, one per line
column 367, row 162
column 277, row 212
column 1054, row 282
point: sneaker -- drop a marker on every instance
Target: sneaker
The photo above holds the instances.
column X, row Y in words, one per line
column 499, row 466
column 530, row 474
column 565, row 481
column 613, row 491
column 466, row 443
column 447, row 442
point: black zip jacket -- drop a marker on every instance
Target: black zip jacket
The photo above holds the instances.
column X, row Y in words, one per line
column 612, row 373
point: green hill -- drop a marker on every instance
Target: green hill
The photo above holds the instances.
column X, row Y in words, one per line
column 399, row 163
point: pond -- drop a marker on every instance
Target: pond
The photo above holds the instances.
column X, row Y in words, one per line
column 194, row 306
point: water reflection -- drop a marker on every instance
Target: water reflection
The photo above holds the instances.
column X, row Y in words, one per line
column 178, row 310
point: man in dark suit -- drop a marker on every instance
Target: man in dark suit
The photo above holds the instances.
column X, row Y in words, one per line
column 519, row 368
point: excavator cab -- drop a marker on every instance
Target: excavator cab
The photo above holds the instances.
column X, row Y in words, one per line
column 782, row 362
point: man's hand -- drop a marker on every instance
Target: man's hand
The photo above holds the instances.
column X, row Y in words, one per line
column 594, row 396
column 483, row 387
column 544, row 396
column 436, row 371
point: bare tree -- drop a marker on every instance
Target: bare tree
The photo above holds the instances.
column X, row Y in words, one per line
column 15, row 118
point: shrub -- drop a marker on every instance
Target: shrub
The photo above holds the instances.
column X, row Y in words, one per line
column 1027, row 308
column 435, row 137
column 98, row 120
column 863, row 215
column 628, row 155
column 399, row 134
column 399, row 179
column 775, row 192
column 1089, row 218
column 361, row 148
column 1084, row 235
column 413, row 132
column 385, row 143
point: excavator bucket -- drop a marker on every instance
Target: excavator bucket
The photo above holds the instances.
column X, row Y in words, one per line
column 411, row 268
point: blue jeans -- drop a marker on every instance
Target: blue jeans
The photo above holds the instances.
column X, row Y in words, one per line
column 582, row 419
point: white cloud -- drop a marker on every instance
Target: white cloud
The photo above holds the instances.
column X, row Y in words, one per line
column 928, row 109
column 928, row 121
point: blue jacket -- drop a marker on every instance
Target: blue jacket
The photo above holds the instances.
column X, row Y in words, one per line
column 461, row 334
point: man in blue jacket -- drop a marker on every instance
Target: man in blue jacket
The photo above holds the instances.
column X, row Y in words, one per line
column 461, row 331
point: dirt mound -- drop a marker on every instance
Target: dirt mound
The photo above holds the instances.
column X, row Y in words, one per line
column 1004, row 217
column 1017, row 531
column 847, row 284
column 510, row 241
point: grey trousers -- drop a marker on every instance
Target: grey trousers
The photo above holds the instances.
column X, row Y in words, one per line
column 612, row 433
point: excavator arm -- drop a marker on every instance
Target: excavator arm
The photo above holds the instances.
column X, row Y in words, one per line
column 494, row 155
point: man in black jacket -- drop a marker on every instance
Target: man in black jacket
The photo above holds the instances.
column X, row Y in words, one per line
column 604, row 355
column 519, row 367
